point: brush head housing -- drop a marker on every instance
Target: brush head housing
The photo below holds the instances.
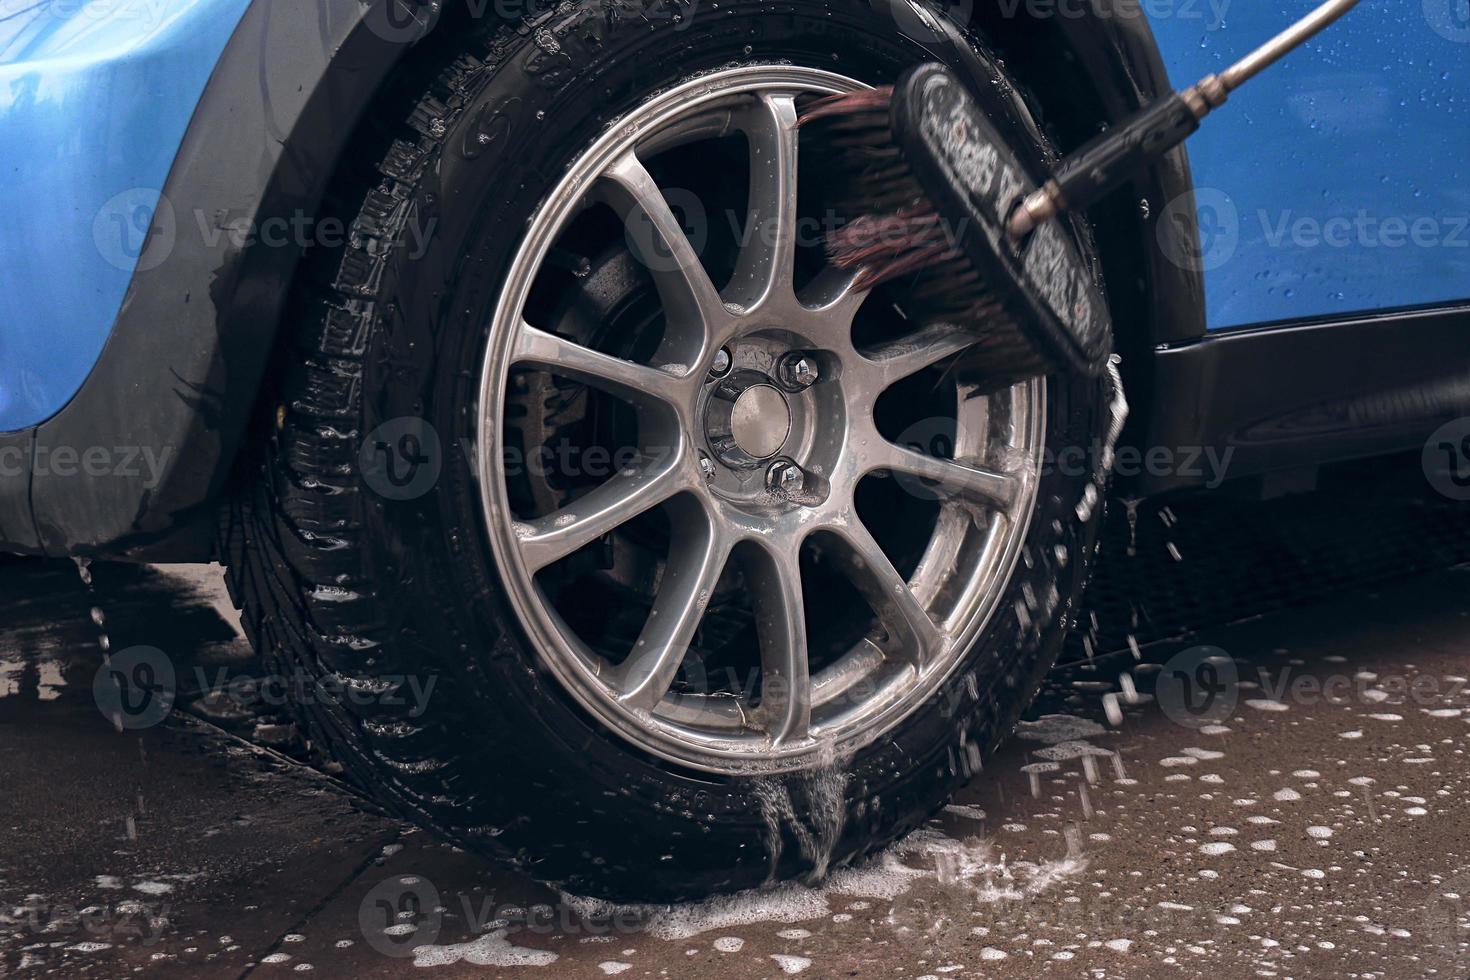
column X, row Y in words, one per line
column 935, row 182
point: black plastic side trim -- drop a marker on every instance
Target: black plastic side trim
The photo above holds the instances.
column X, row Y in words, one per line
column 17, row 530
column 182, row 368
column 1312, row 394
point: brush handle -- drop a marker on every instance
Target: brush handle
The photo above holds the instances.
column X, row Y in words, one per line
column 1112, row 159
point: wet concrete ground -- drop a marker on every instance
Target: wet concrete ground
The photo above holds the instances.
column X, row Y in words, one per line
column 1304, row 835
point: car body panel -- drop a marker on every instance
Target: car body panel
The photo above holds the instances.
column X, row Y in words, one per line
column 1336, row 182
column 98, row 95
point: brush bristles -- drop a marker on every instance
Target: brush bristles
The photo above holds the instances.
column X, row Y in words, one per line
column 888, row 229
column 887, row 226
column 848, row 104
column 886, row 246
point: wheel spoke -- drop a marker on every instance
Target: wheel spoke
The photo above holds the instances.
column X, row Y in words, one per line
column 635, row 382
column 910, row 355
column 786, row 685
column 888, row 593
column 999, row 490
column 767, row 263
column 629, row 493
column 692, row 306
column 858, row 665
column 697, row 558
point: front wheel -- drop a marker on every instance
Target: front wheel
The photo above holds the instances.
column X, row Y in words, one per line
column 634, row 545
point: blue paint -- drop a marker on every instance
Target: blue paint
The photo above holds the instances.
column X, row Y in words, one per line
column 95, row 97
column 1368, row 128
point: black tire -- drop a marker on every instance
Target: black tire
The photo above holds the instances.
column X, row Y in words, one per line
column 338, row 584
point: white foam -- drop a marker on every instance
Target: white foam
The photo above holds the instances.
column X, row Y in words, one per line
column 968, row 812
column 1204, row 755
column 925, row 854
column 786, row 903
column 791, row 964
column 491, row 949
column 1052, row 729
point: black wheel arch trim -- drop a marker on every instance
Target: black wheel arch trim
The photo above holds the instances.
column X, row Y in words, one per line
column 182, row 370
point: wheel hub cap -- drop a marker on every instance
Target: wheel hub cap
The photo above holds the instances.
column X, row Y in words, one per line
column 747, row 421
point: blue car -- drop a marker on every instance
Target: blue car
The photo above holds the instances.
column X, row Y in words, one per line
column 593, row 517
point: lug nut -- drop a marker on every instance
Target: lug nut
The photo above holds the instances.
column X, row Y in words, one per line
column 798, row 371
column 786, row 477
column 706, row 466
column 721, row 364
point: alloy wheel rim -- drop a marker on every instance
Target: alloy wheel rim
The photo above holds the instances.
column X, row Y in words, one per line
column 740, row 370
